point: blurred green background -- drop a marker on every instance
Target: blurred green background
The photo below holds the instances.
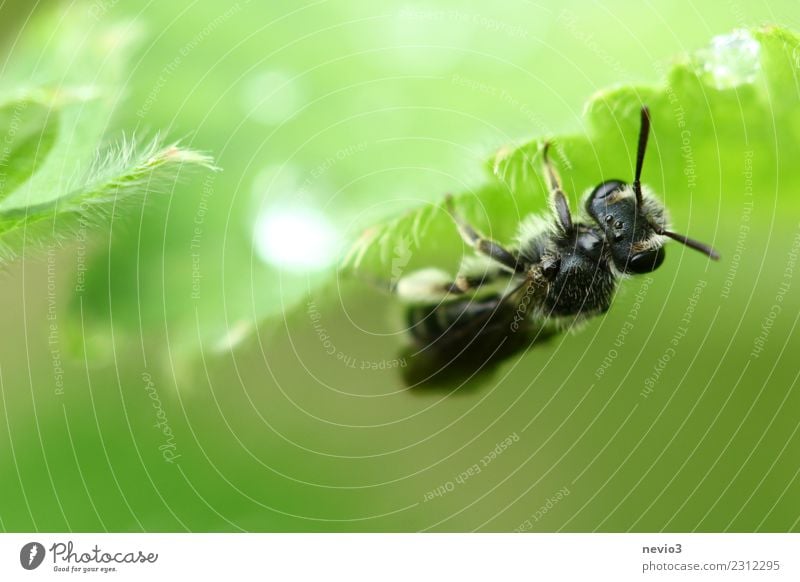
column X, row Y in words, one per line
column 213, row 312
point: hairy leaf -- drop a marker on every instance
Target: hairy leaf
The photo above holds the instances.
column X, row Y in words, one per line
column 738, row 96
column 56, row 172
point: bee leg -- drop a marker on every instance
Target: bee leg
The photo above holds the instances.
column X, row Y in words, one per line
column 425, row 286
column 466, row 283
column 434, row 285
column 484, row 246
column 557, row 197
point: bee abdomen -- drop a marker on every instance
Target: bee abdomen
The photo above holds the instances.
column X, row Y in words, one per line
column 427, row 323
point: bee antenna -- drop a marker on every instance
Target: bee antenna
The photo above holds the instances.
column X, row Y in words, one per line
column 644, row 132
column 690, row 242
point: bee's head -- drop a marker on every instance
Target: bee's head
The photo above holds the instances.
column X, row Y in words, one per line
column 632, row 236
column 634, row 223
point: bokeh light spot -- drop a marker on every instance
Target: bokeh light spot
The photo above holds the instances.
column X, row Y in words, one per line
column 296, row 239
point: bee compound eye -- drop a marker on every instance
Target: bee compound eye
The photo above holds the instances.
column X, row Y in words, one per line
column 550, row 268
column 646, row 262
column 606, row 189
column 600, row 201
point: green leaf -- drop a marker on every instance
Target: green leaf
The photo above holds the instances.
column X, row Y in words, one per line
column 117, row 176
column 737, row 96
column 56, row 174
column 29, row 130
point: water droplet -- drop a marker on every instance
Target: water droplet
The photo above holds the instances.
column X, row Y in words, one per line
column 731, row 60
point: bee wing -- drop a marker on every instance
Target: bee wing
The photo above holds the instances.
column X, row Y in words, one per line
column 478, row 277
column 459, row 341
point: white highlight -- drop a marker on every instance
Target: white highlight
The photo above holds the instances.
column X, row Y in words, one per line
column 296, row 239
column 234, row 336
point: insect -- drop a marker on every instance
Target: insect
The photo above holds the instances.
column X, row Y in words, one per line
column 560, row 272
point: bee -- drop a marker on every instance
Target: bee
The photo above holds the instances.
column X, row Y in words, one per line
column 560, row 272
